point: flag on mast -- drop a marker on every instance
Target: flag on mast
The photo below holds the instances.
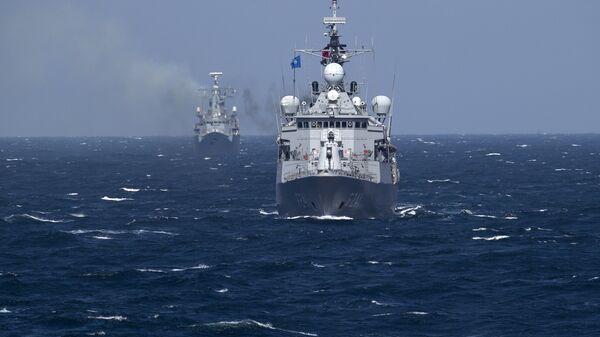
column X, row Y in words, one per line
column 296, row 62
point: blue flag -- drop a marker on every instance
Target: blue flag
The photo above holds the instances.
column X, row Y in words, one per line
column 296, row 63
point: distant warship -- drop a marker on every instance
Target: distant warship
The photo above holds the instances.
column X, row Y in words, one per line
column 217, row 131
column 335, row 159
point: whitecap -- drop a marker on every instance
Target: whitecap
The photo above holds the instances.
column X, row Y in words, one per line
column 479, row 229
column 373, row 262
column 221, row 291
column 378, row 303
column 164, row 190
column 247, row 166
column 317, row 265
column 492, row 238
column 407, row 211
column 493, row 154
column 417, row 313
column 102, row 237
column 148, row 270
column 384, row 314
column 78, row 215
column 575, row 145
column 5, row 311
column 73, row 194
column 33, row 217
column 431, row 181
column 522, row 146
column 251, row 322
column 105, row 198
column 511, row 218
column 206, row 158
column 322, row 217
column 263, row 212
column 200, row 266
column 98, row 333
column 132, row 190
column 14, row 159
column 561, row 169
column 160, row 155
column 109, row 318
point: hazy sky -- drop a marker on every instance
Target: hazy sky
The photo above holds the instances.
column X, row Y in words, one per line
column 113, row 67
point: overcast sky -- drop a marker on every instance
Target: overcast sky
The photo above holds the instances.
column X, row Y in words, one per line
column 113, row 67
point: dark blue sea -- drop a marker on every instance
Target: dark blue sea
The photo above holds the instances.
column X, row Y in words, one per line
column 494, row 236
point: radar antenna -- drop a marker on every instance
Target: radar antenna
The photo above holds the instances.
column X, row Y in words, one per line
column 334, row 51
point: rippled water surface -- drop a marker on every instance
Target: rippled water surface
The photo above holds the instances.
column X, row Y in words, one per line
column 494, row 236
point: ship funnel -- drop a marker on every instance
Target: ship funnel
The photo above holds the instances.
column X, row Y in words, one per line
column 290, row 105
column 334, row 74
column 381, row 105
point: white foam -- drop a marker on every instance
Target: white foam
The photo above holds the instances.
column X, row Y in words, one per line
column 200, row 266
column 575, row 145
column 522, row 146
column 97, row 333
column 263, row 212
column 14, row 159
column 561, row 169
column 384, row 314
column 322, row 217
column 72, row 194
column 417, row 313
column 492, row 238
column 102, row 237
column 148, row 270
column 117, row 232
column 160, row 155
column 407, row 211
column 206, row 158
column 373, row 262
column 431, row 181
column 106, row 198
column 132, row 190
column 78, row 215
column 511, row 218
column 251, row 322
column 5, row 311
column 109, row 318
column 493, row 154
column 33, row 217
column 317, row 265
column 479, row 229
column 221, row 291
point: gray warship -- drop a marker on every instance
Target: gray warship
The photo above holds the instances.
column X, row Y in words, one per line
column 335, row 158
column 217, row 131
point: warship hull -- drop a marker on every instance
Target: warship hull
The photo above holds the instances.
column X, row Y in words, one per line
column 336, row 196
column 217, row 144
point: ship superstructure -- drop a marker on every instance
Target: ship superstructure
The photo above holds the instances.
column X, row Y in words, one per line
column 217, row 131
column 335, row 158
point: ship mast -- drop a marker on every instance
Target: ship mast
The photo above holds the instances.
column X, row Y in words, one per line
column 334, row 51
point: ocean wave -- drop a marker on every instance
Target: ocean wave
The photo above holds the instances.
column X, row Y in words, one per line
column 12, row 217
column 491, row 238
column 221, row 291
column 118, row 232
column 132, row 190
column 148, row 270
column 417, row 313
column 493, row 154
column 5, row 311
column 316, row 265
column 250, row 323
column 431, row 181
column 200, row 266
column 78, row 215
column 263, row 212
column 479, row 229
column 73, row 194
column 106, row 198
column 320, row 217
column 102, row 237
column 408, row 211
column 109, row 318
column 14, row 159
column 523, row 146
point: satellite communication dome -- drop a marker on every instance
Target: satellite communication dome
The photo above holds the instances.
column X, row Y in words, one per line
column 290, row 105
column 381, row 105
column 334, row 73
column 333, row 95
column 356, row 101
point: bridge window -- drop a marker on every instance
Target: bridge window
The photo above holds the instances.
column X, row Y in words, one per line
column 364, row 125
column 343, row 124
column 337, row 124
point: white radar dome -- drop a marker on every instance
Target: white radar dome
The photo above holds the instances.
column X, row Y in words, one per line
column 356, row 101
column 381, row 105
column 333, row 95
column 290, row 105
column 334, row 73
